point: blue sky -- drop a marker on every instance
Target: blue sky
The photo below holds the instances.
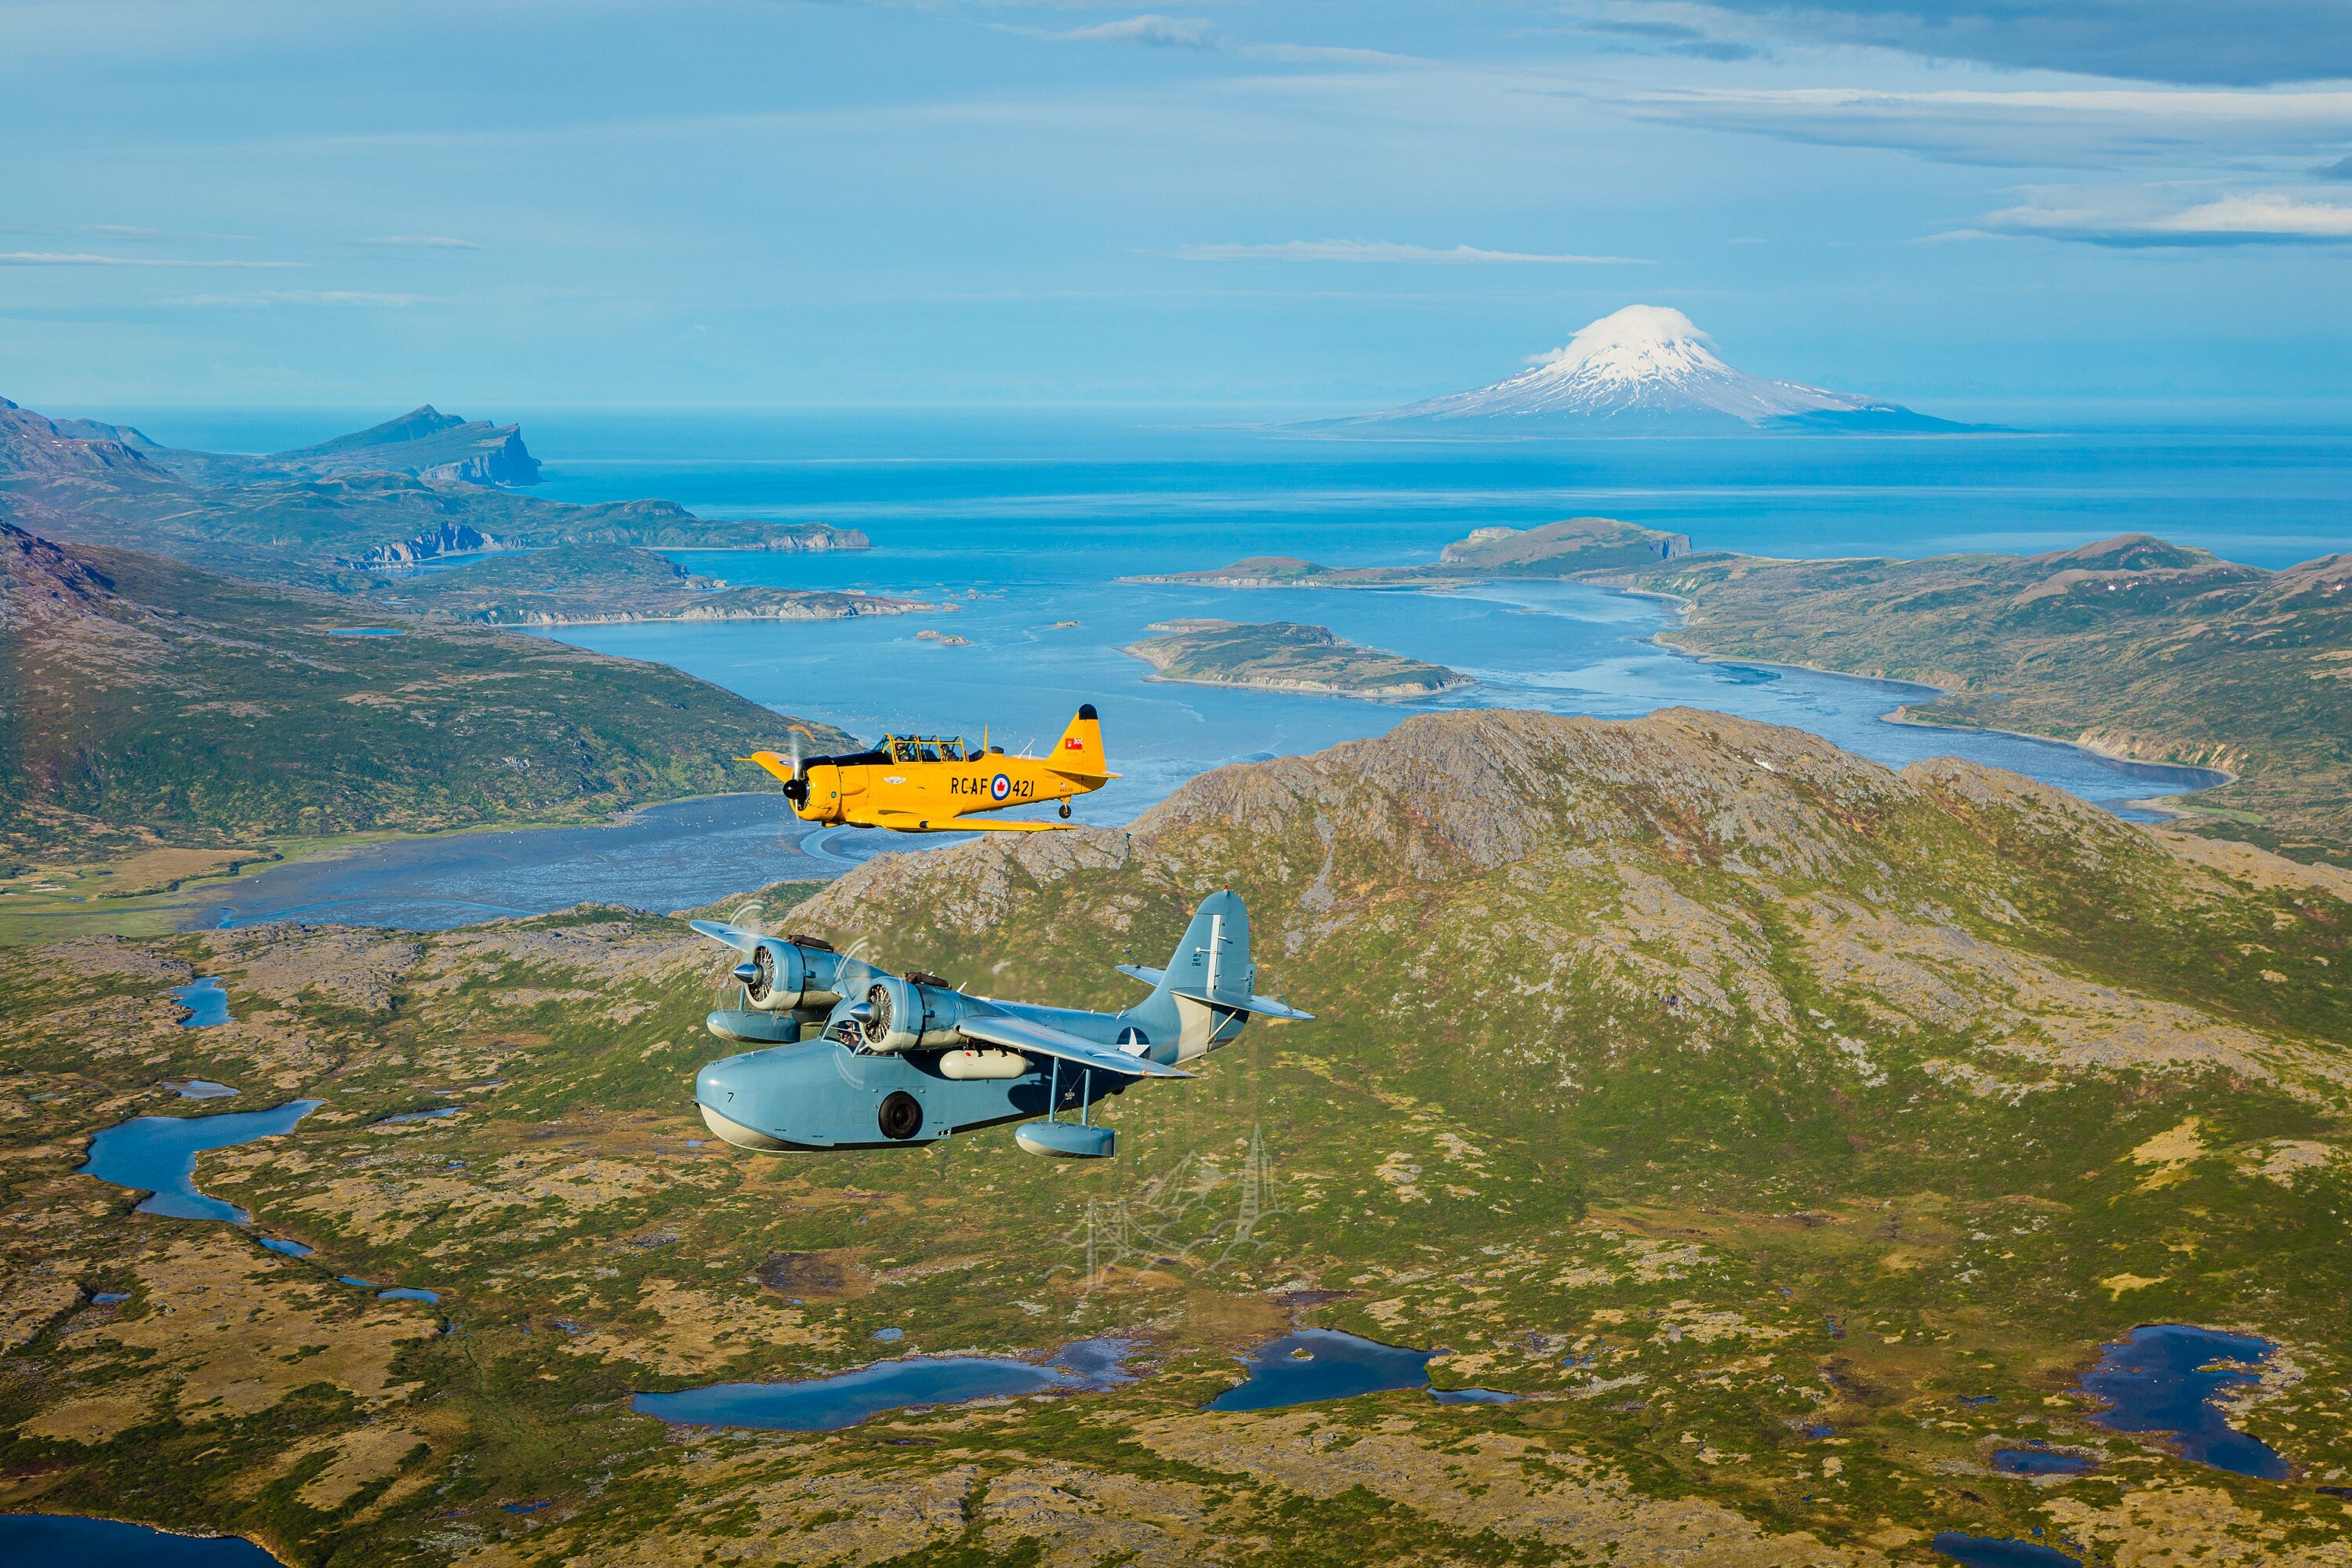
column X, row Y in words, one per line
column 1970, row 205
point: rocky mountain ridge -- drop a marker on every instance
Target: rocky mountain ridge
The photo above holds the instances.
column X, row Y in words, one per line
column 399, row 493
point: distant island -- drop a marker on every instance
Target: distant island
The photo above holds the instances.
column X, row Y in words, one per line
column 588, row 584
column 1282, row 655
column 1565, row 549
column 407, row 491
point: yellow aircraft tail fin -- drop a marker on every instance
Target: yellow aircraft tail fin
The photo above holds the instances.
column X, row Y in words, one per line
column 1080, row 750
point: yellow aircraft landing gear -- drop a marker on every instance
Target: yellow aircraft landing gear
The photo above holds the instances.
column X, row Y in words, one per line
column 1065, row 811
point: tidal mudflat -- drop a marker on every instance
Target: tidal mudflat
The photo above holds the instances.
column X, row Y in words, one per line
column 158, row 1154
column 674, row 856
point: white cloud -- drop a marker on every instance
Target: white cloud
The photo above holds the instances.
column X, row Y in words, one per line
column 2133, row 217
column 126, row 231
column 1386, row 250
column 1151, row 30
column 73, row 258
column 422, row 242
column 309, row 296
column 2090, row 127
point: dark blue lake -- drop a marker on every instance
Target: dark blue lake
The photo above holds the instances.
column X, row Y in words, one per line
column 828, row 1404
column 2164, row 1379
column 1473, row 1396
column 1310, row 1364
column 207, row 1003
column 62, row 1541
column 158, row 1153
column 1986, row 1552
column 2040, row 1462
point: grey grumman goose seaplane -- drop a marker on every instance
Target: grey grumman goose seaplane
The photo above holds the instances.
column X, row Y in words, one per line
column 854, row 1057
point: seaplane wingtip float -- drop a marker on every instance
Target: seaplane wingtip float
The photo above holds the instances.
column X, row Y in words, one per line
column 849, row 1054
column 936, row 784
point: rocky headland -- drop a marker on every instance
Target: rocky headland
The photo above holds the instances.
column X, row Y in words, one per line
column 1282, row 655
column 1566, row 549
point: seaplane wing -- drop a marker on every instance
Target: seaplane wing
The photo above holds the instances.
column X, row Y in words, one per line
column 907, row 822
column 1043, row 1039
column 736, row 937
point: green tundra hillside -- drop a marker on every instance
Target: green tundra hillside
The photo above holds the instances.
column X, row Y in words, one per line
column 151, row 703
column 1789, row 1134
column 2132, row 646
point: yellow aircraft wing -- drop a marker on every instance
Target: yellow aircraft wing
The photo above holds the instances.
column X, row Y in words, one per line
column 907, row 822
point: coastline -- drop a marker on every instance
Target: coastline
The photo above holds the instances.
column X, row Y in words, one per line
column 179, row 1532
column 29, row 918
column 1902, row 714
column 1308, row 689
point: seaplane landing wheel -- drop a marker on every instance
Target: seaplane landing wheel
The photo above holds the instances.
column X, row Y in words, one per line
column 902, row 1115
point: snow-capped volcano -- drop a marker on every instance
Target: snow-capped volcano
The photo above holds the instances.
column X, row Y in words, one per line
column 1647, row 368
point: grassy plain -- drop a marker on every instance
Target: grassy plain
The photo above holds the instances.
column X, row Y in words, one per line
column 1790, row 1133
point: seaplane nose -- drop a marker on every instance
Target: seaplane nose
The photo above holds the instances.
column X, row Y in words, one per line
column 723, row 1093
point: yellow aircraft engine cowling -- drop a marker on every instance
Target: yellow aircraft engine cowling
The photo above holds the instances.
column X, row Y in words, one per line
column 906, row 1015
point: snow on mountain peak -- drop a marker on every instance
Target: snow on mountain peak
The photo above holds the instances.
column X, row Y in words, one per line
column 1638, row 342
column 1646, row 367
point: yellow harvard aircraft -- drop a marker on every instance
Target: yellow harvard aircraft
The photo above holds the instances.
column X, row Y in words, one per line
column 926, row 784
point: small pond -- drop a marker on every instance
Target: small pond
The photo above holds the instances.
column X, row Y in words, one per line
column 64, row 1541
column 201, row 1088
column 827, row 1404
column 408, row 1293
column 363, row 631
column 1987, row 1552
column 1309, row 1364
column 2040, row 1462
column 158, row 1153
column 278, row 1244
column 2164, row 1379
column 206, row 1002
column 1473, row 1396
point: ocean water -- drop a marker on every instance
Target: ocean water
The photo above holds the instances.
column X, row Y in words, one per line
column 1024, row 520
column 1022, row 525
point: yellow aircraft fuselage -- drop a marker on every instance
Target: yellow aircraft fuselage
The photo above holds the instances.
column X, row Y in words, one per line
column 928, row 785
